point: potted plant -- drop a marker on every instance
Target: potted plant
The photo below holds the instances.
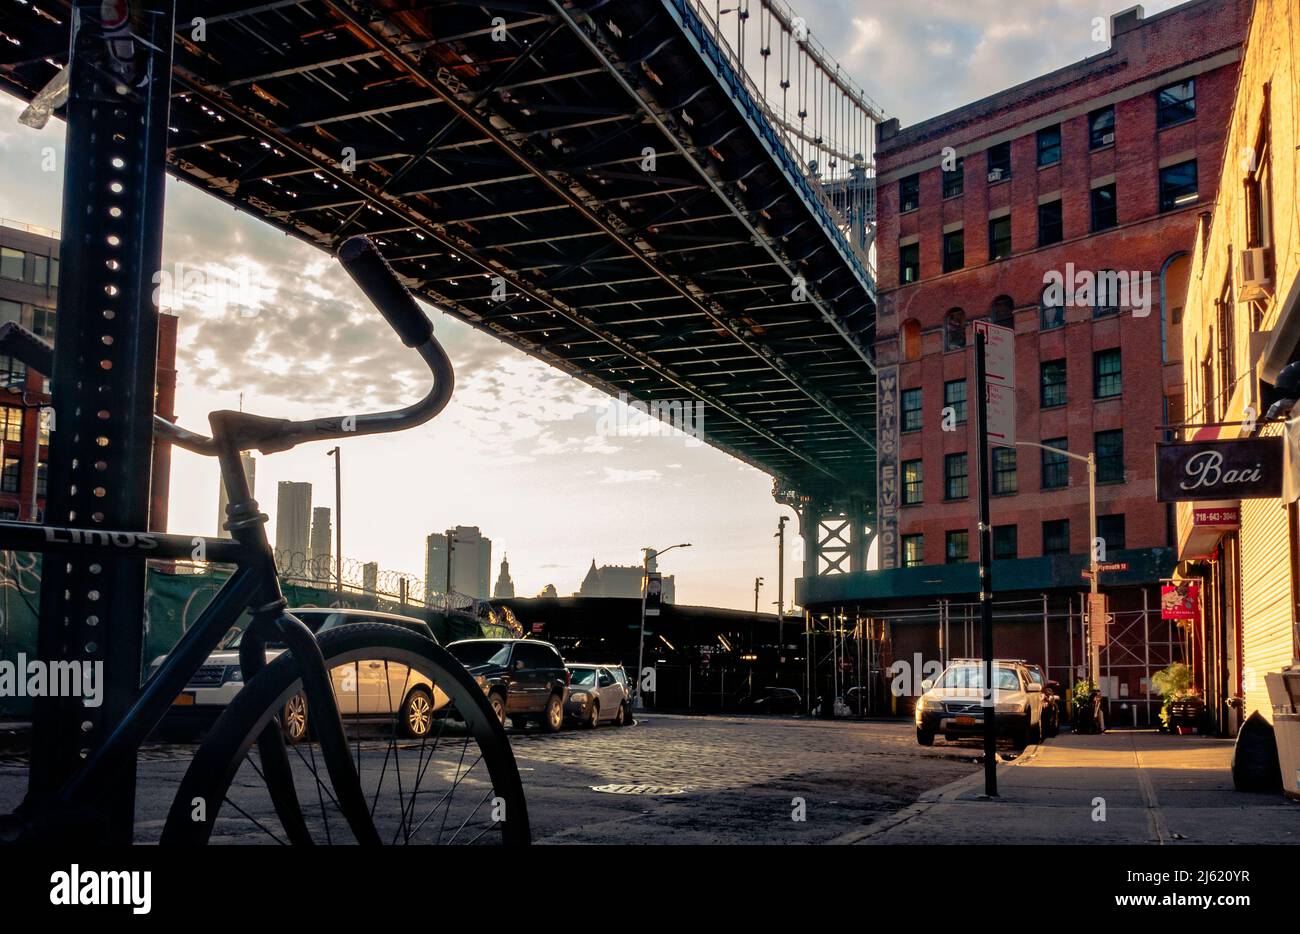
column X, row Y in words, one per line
column 1183, row 708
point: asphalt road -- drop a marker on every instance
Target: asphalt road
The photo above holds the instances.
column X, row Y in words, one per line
column 672, row 779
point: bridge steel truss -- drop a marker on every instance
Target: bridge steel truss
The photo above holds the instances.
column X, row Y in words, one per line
column 587, row 181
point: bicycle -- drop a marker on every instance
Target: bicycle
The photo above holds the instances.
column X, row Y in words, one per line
column 245, row 780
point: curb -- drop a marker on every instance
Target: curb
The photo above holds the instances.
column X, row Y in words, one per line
column 930, row 798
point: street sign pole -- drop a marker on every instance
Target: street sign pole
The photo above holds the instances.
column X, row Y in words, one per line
column 986, row 553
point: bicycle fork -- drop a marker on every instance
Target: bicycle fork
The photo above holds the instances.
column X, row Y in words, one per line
column 324, row 713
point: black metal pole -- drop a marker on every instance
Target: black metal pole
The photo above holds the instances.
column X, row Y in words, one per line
column 103, row 383
column 986, row 578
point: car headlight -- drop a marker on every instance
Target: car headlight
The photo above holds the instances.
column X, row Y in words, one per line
column 1013, row 707
column 233, row 673
column 481, row 681
column 578, row 697
column 928, row 703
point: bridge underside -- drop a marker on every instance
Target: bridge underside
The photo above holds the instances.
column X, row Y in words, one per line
column 577, row 183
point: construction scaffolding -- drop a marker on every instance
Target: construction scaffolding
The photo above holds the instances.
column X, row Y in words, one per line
column 882, row 657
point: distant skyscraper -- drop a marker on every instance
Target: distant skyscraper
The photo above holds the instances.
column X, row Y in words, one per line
column 471, row 564
column 370, row 577
column 250, row 472
column 293, row 525
column 505, row 587
column 320, row 543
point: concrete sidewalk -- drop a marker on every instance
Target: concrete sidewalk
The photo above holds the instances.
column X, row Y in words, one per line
column 1156, row 789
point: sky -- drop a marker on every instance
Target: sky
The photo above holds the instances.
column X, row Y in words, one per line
column 520, row 451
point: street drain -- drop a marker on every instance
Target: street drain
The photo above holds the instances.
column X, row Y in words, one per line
column 640, row 789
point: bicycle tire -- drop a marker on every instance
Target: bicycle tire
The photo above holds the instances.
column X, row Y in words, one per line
column 230, row 744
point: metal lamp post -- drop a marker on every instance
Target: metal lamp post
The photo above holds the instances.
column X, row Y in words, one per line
column 338, row 517
column 637, row 703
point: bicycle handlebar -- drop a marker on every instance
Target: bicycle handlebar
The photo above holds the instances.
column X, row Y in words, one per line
column 245, row 431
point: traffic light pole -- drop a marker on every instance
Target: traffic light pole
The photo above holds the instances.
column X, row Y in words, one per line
column 986, row 582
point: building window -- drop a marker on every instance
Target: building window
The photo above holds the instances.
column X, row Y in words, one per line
column 954, row 250
column 13, row 471
column 10, row 311
column 1000, row 237
column 999, row 162
column 955, row 477
column 954, row 397
column 41, row 270
column 913, row 483
column 13, row 373
column 1107, row 381
column 1003, row 311
column 954, row 329
column 1052, row 384
column 909, row 263
column 42, row 477
column 1049, row 145
column 1176, row 103
column 912, row 411
column 1050, row 316
column 1108, row 447
column 954, row 182
column 1050, row 227
column 1004, row 470
column 1056, row 537
column 11, row 424
column 1104, row 212
column 1101, row 128
column 40, row 321
column 956, row 546
column 910, row 335
column 1106, row 300
column 1004, row 541
column 11, row 263
column 913, row 551
column 909, row 193
column 1110, row 529
column 1178, row 185
column 1056, row 467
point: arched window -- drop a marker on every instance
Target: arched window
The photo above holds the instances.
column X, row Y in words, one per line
column 1003, row 310
column 1173, row 294
column 954, row 329
column 1050, row 316
column 909, row 338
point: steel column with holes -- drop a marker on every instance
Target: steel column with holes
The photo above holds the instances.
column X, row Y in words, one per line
column 103, row 383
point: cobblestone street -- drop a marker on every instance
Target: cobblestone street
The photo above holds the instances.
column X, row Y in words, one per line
column 736, row 779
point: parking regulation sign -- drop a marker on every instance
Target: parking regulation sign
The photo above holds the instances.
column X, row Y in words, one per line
column 999, row 381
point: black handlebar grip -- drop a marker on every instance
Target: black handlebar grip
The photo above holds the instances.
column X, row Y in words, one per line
column 371, row 272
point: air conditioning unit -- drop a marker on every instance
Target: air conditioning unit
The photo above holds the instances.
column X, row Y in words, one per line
column 995, row 175
column 1107, row 138
column 1253, row 281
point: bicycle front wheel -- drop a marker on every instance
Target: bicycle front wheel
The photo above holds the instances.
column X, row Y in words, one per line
column 435, row 764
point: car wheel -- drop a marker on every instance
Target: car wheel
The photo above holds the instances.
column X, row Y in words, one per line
column 620, row 718
column 417, row 714
column 553, row 717
column 924, row 737
column 498, row 705
column 293, row 718
column 593, row 717
column 1020, row 739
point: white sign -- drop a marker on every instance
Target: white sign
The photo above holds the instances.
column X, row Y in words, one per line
column 999, row 353
column 1000, row 381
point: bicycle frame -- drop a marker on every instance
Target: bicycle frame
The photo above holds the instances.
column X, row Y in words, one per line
column 254, row 585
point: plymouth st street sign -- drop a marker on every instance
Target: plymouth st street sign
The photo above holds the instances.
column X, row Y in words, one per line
column 1248, row 468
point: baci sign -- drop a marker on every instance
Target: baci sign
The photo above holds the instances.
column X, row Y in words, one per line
column 1246, row 468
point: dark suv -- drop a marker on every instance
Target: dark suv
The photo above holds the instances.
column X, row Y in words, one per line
column 524, row 679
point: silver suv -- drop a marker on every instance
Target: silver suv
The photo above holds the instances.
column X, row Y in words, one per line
column 598, row 693
column 953, row 706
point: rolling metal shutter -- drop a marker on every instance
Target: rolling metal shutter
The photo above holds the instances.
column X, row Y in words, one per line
column 1265, row 598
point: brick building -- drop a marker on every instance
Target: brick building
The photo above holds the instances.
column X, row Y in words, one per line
column 29, row 290
column 1098, row 167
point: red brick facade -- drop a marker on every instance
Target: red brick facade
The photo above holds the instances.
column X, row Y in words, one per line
column 1198, row 41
